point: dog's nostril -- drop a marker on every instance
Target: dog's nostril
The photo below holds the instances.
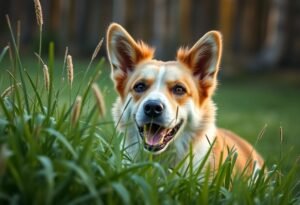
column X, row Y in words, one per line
column 147, row 108
column 153, row 108
column 158, row 108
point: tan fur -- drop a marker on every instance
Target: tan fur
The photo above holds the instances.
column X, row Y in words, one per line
column 247, row 156
column 196, row 70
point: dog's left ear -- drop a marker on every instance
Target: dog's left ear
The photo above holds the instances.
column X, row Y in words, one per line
column 204, row 59
column 124, row 54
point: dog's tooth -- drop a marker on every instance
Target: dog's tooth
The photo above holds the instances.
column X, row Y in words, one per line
column 161, row 140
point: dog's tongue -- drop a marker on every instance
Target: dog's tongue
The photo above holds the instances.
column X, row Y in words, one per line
column 154, row 139
column 154, row 134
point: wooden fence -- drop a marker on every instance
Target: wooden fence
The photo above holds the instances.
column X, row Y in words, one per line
column 257, row 33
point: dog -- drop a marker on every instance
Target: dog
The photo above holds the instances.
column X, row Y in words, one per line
column 165, row 105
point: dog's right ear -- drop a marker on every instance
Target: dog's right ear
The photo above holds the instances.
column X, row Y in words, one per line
column 124, row 54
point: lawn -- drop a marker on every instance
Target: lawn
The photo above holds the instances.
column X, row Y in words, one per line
column 267, row 103
column 56, row 148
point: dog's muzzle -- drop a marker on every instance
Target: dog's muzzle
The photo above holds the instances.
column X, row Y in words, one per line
column 155, row 133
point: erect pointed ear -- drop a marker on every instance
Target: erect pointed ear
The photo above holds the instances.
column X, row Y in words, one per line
column 124, row 53
column 204, row 59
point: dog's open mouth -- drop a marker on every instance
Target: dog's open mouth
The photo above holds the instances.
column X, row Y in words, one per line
column 156, row 137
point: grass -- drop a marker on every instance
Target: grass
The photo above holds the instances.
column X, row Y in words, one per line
column 48, row 158
column 249, row 104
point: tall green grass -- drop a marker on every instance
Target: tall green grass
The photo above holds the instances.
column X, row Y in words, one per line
column 48, row 158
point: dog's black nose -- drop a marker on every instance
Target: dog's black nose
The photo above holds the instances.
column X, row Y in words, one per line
column 153, row 108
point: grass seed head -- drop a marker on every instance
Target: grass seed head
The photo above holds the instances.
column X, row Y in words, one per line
column 99, row 99
column 38, row 13
column 76, row 110
column 8, row 91
column 97, row 49
column 70, row 69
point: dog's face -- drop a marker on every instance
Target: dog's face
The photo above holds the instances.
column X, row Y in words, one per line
column 162, row 102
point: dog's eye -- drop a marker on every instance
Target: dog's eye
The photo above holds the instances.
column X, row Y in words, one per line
column 179, row 90
column 140, row 87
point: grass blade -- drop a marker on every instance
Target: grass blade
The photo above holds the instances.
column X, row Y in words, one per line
column 37, row 95
column 5, row 49
column 63, row 140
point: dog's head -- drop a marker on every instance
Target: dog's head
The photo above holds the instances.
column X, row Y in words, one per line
column 161, row 101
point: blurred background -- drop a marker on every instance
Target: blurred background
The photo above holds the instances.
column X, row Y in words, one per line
column 258, row 34
column 259, row 92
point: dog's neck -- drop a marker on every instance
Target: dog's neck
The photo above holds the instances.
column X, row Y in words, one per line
column 200, row 138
